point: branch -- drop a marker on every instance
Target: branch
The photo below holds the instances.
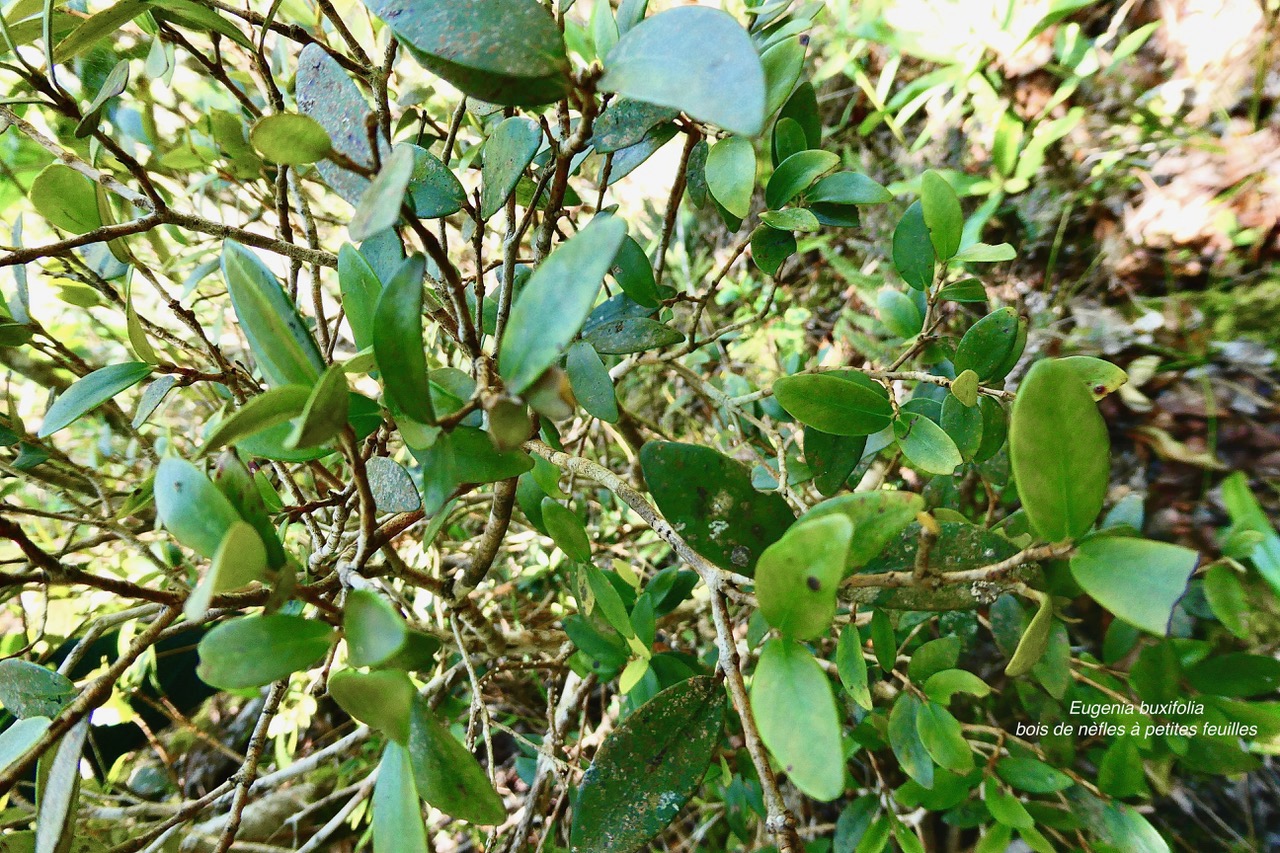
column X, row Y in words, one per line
column 779, row 820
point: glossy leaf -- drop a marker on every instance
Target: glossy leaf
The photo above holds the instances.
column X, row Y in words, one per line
column 191, row 507
column 375, row 632
column 398, row 826
column 28, row 690
column 272, row 407
column 792, row 219
column 507, row 52
column 1138, row 580
column 795, row 711
column 942, row 214
column 285, row 351
column 1034, row 642
column 240, row 560
column 648, row 768
column 447, row 776
column 878, row 517
column 988, row 344
column 634, row 274
column 835, row 404
column 379, row 207
column 633, row 334
column 59, row 791
column 626, row 121
column 567, row 530
column 798, row 577
column 782, row 62
column 19, row 737
column 730, row 173
column 397, row 342
column 556, row 300
column 1101, row 377
column 899, row 313
column 795, row 174
column 290, row 139
column 770, row 247
column 695, row 59
column 382, row 699
column 591, row 383
column 942, row 738
column 434, row 190
column 91, row 391
column 476, row 460
column 360, row 291
column 325, row 413
column 507, row 152
column 941, row 686
column 926, row 445
column 1061, row 473
column 832, row 457
column 722, row 516
column 963, row 424
column 904, row 738
column 913, row 252
column 848, row 188
column 852, row 666
column 984, row 253
column 66, row 198
column 251, row 651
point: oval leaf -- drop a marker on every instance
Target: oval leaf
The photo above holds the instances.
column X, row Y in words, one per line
column 834, row 404
column 252, row 651
column 397, row 342
column 375, row 632
column 191, row 507
column 447, row 776
column 798, row 576
column 795, row 710
column 1136, row 579
column 89, row 392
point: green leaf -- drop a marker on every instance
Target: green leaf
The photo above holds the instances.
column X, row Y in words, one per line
column 1061, row 474
column 507, row 152
column 1032, row 775
column 328, row 95
column 251, row 651
column 852, row 666
column 798, row 577
column 770, row 247
column 709, row 497
column 665, row 60
column 607, row 599
column 965, row 388
column 1237, row 674
column 942, row 738
column 792, row 219
column 899, row 313
column 969, row 290
column 556, row 300
column 507, row 52
column 926, row 445
column 942, row 214
column 730, row 173
column 29, row 691
column 995, row 428
column 626, row 121
column 325, row 412
column 989, row 344
column 434, row 190
column 782, row 63
column 59, row 790
column 375, row 632
column 963, row 424
column 884, row 641
column 1034, row 642
column 270, row 408
column 477, row 461
column 904, row 738
column 97, row 27
column 1139, row 580
column 934, row 656
column 648, row 768
column 1099, row 376
column 112, row 87
column 360, row 291
column 631, row 334
column 89, row 392
column 566, row 530
column 397, row 342
column 834, row 403
column 1005, row 807
column 285, row 351
column 418, row 654
column 1247, row 515
column 1227, row 598
column 877, row 518
column 381, row 699
column 832, row 457
column 913, row 254
column 941, row 686
column 795, row 711
column 983, row 253
column 795, row 174
column 848, row 188
column 240, row 560
column 398, row 826
column 379, row 207
column 19, row 737
column 290, row 139
column 447, row 775
column 634, row 274
column 191, row 507
column 66, row 198
column 392, row 487
column 591, row 382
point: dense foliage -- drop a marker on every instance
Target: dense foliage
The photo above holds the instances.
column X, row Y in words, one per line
column 509, row 503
